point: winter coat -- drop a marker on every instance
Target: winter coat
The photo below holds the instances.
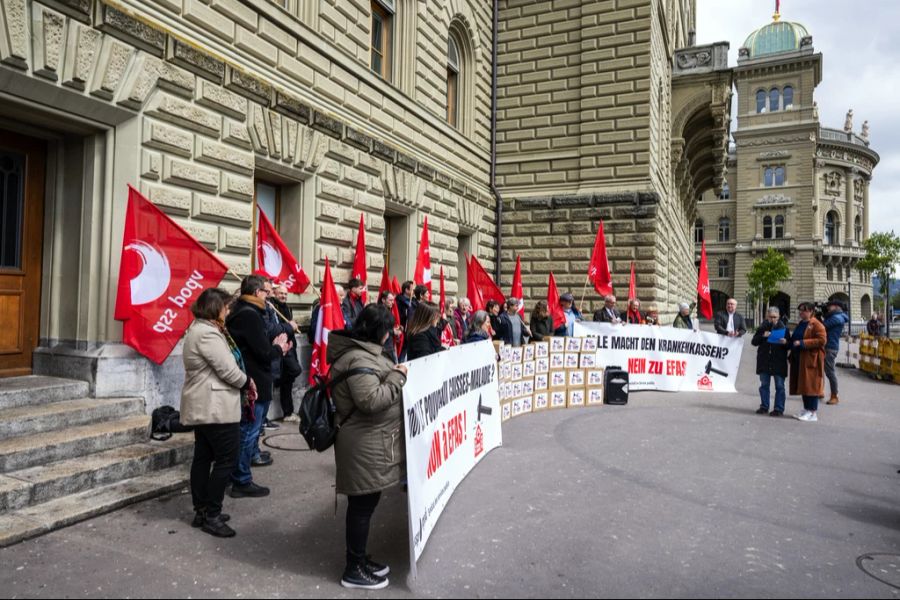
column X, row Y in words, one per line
column 873, row 327
column 683, row 322
column 351, row 307
column 495, row 325
column 247, row 326
column 834, row 327
column 808, row 362
column 506, row 329
column 275, row 326
column 460, row 323
column 368, row 453
column 423, row 343
column 212, row 378
column 541, row 328
column 405, row 309
column 476, row 336
column 721, row 323
column 563, row 330
column 771, row 359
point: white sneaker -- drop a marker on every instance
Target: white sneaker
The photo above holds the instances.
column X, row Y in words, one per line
column 809, row 417
column 292, row 419
column 801, row 415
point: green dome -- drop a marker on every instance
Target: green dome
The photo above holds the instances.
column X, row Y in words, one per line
column 775, row 38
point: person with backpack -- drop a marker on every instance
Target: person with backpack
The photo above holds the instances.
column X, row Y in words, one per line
column 368, row 452
column 211, row 402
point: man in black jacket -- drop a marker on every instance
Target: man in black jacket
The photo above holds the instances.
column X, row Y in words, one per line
column 771, row 361
column 609, row 313
column 352, row 305
column 730, row 322
column 246, row 324
column 404, row 302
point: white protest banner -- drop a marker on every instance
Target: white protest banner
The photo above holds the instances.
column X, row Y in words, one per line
column 667, row 359
column 451, row 404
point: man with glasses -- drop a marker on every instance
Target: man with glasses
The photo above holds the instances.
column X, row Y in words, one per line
column 808, row 362
column 771, row 340
column 730, row 322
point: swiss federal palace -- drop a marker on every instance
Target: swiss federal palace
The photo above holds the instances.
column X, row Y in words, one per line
column 514, row 126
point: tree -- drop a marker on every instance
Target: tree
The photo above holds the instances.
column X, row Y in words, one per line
column 882, row 259
column 767, row 273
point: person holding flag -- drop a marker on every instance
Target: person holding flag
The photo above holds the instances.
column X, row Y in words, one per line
column 353, row 303
column 328, row 318
column 422, row 274
column 562, row 309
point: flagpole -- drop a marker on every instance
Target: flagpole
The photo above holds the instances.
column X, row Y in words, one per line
column 584, row 292
column 239, row 278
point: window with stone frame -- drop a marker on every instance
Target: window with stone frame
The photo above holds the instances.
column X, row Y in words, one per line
column 761, row 97
column 453, row 79
column 774, row 176
column 788, row 97
column 724, row 268
column 857, row 228
column 382, row 38
column 831, row 228
column 774, row 99
column 726, row 192
column 698, row 231
column 724, row 229
column 767, row 227
column 829, row 273
column 779, row 227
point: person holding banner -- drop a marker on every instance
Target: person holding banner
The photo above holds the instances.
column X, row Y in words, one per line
column 808, row 361
column 493, row 311
column 479, row 328
column 634, row 316
column 462, row 317
column 573, row 315
column 730, row 322
column 423, row 331
column 369, row 452
column 683, row 318
column 771, row 339
column 609, row 313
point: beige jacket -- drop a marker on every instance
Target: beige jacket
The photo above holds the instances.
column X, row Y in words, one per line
column 212, row 378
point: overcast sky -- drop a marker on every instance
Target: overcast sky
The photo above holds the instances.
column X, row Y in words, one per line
column 860, row 70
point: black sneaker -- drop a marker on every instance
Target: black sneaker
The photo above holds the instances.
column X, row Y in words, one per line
column 265, row 454
column 776, row 413
column 200, row 517
column 262, row 461
column 360, row 578
column 377, row 569
column 271, row 425
column 251, row 490
column 762, row 411
column 216, row 526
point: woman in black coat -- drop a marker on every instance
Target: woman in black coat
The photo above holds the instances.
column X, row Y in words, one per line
column 771, row 361
column 423, row 331
column 541, row 322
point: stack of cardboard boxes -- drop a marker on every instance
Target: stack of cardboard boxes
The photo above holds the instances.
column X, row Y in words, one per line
column 555, row 374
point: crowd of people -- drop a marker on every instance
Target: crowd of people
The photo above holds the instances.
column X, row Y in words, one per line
column 242, row 347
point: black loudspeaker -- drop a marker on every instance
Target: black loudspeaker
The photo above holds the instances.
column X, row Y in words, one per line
column 615, row 384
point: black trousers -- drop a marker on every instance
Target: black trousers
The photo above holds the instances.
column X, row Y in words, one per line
column 286, row 396
column 219, row 444
column 359, row 516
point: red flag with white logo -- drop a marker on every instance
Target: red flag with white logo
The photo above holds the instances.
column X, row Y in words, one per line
column 275, row 260
column 162, row 272
column 330, row 319
column 598, row 272
column 360, row 270
column 517, row 290
column 556, row 311
column 422, row 274
column 706, row 307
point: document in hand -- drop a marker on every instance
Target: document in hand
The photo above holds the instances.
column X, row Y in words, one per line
column 776, row 336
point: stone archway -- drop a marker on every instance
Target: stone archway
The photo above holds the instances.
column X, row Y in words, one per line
column 840, row 297
column 718, row 300
column 866, row 306
column 783, row 302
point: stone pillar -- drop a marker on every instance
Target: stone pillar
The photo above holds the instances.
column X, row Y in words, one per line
column 850, row 212
column 865, row 211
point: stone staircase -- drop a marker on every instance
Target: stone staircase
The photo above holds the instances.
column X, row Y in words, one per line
column 65, row 457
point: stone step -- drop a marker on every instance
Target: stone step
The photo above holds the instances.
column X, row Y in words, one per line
column 38, row 389
column 31, row 419
column 36, row 520
column 45, row 483
column 28, row 451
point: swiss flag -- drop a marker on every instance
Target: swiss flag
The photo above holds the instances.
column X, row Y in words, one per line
column 330, row 319
column 484, row 283
column 162, row 272
column 360, row 271
column 517, row 290
column 275, row 260
column 422, row 274
column 556, row 311
column 706, row 308
column 598, row 272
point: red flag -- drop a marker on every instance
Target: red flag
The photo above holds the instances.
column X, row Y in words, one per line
column 706, row 308
column 360, row 270
column 517, row 290
column 447, row 340
column 632, row 295
column 398, row 341
column 385, row 283
column 162, row 272
column 275, row 260
column 443, row 302
column 472, row 292
column 422, row 275
column 556, row 311
column 330, row 319
column 484, row 283
column 598, row 272
column 395, row 286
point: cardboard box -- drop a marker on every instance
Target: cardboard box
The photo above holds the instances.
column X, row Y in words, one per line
column 558, row 380
column 595, row 377
column 505, row 352
column 557, row 361
column 594, row 396
column 541, row 349
column 558, row 399
column 542, row 365
column 572, row 360
column 516, row 372
column 505, row 411
column 528, row 354
column 588, row 360
column 505, row 372
column 498, row 346
column 589, row 344
column 573, row 344
column 515, row 355
column 575, row 397
column 528, row 369
column 541, row 401
column 557, row 344
column 528, row 386
column 576, row 378
column 518, row 407
column 517, row 388
column 541, row 382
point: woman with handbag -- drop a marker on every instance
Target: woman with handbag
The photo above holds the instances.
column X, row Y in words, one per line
column 368, row 451
column 211, row 402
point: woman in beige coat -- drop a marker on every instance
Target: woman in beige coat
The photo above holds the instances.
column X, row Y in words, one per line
column 368, row 451
column 211, row 403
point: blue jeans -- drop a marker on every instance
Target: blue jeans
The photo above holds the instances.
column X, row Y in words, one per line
column 811, row 403
column 249, row 444
column 764, row 381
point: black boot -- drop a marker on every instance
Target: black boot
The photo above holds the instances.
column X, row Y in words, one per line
column 216, row 526
column 357, row 576
column 200, row 517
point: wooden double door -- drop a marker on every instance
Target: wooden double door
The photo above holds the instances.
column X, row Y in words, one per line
column 22, row 174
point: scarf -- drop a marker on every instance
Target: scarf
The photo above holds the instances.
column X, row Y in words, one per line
column 254, row 300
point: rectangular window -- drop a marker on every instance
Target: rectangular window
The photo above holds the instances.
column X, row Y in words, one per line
column 382, row 38
column 452, row 97
column 396, row 245
column 12, row 205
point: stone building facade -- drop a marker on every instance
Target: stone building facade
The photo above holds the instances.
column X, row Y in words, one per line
column 214, row 107
column 792, row 184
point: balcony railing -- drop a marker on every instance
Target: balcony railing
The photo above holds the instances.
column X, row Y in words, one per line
column 836, row 135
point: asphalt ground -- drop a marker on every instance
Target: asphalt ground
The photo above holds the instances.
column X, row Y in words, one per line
column 670, row 496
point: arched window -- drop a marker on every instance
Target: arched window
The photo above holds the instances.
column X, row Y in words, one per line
column 779, row 175
column 767, row 228
column 460, row 67
column 857, row 228
column 774, row 97
column 788, row 97
column 724, row 268
column 760, row 101
column 453, row 69
column 829, row 273
column 770, row 177
column 774, row 176
column 831, row 228
column 698, row 231
column 779, row 227
column 724, row 229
